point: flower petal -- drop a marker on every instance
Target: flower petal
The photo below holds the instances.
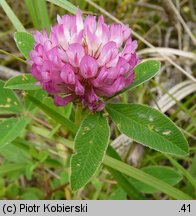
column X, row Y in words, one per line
column 108, row 53
column 68, row 75
column 79, row 21
column 79, row 89
column 75, row 53
column 63, row 101
column 88, row 67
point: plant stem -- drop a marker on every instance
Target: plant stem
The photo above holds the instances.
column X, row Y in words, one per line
column 124, row 97
column 78, row 114
column 16, row 57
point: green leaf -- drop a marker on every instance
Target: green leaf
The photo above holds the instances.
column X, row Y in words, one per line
column 15, row 154
column 24, row 42
column 32, row 193
column 149, row 127
column 22, row 82
column 163, row 173
column 5, row 169
column 91, row 143
column 53, row 114
column 2, row 187
column 9, row 102
column 12, row 190
column 65, row 5
column 30, row 169
column 145, row 71
column 10, row 129
column 13, row 18
column 118, row 194
column 146, row 178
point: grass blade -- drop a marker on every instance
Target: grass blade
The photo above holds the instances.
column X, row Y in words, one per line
column 186, row 174
column 38, row 13
column 13, row 18
column 32, row 12
column 122, row 180
column 146, row 178
column 64, row 4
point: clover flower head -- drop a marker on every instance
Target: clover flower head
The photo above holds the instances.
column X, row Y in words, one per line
column 84, row 60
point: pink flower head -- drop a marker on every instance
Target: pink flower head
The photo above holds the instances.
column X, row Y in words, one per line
column 84, row 60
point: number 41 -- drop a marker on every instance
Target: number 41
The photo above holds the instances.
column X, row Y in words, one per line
column 186, row 208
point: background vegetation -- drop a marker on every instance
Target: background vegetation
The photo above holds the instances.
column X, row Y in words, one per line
column 36, row 164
